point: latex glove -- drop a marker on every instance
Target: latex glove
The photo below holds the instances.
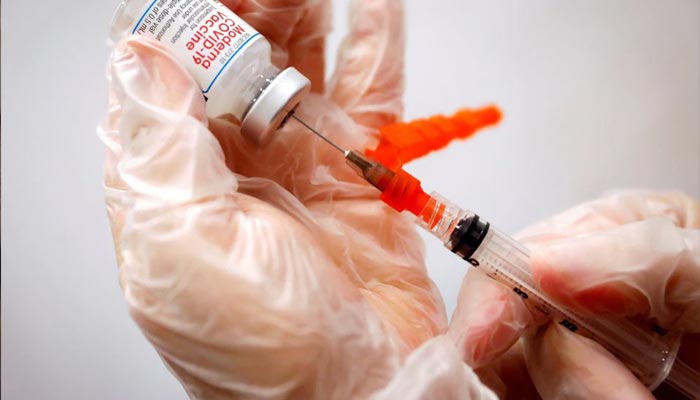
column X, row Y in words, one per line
column 631, row 254
column 276, row 272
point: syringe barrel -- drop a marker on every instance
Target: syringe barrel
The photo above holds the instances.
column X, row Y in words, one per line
column 648, row 351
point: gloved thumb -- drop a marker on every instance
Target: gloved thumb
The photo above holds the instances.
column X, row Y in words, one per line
column 649, row 268
column 168, row 152
column 566, row 365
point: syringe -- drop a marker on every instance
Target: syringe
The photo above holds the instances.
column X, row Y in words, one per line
column 647, row 350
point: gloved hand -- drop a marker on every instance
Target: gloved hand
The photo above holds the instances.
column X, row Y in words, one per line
column 275, row 272
column 631, row 254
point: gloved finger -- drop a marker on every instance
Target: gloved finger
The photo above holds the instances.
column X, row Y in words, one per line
column 108, row 132
column 488, row 319
column 507, row 375
column 168, row 153
column 307, row 46
column 649, row 268
column 130, row 62
column 615, row 209
column 115, row 188
column 368, row 80
column 277, row 20
column 566, row 365
column 434, row 371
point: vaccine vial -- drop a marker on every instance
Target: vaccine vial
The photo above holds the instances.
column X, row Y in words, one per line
column 227, row 58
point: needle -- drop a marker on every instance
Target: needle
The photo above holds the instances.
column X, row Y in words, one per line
column 318, row 134
column 370, row 170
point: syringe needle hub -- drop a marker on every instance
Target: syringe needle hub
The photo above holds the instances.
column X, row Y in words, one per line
column 370, row 170
column 400, row 190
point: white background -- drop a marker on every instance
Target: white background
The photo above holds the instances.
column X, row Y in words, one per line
column 597, row 95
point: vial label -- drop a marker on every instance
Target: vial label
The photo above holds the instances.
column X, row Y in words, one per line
column 203, row 34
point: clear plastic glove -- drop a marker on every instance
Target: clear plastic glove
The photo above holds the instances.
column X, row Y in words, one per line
column 631, row 254
column 274, row 273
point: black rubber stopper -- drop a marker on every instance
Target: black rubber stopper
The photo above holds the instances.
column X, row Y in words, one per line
column 468, row 235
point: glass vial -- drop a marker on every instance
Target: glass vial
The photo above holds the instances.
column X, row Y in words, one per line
column 227, row 58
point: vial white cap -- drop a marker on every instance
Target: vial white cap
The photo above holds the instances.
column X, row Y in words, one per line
column 272, row 107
